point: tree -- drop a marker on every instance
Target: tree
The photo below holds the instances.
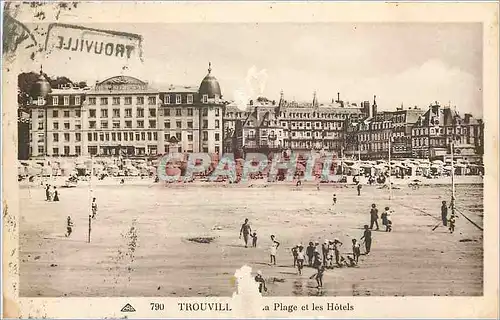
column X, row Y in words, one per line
column 59, row 81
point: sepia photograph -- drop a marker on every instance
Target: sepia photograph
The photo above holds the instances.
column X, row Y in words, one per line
column 318, row 159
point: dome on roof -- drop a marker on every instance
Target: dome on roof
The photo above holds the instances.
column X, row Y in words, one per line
column 209, row 85
column 41, row 87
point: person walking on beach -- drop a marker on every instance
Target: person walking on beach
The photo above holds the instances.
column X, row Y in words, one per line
column 356, row 251
column 56, row 194
column 336, row 250
column 374, row 216
column 385, row 220
column 245, row 230
column 310, row 254
column 319, row 276
column 294, row 254
column 69, row 227
column 94, row 208
column 274, row 249
column 452, row 223
column 367, row 236
column 358, row 187
column 260, row 280
column 300, row 258
column 334, row 199
column 47, row 192
column 444, row 213
column 324, row 251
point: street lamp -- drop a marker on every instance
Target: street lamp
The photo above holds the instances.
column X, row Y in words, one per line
column 41, row 90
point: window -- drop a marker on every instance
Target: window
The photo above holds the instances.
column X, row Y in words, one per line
column 178, row 112
column 116, row 100
column 167, row 136
column 137, row 136
column 119, row 136
column 92, row 101
column 166, row 112
column 66, row 137
column 152, row 112
column 55, row 114
column 116, row 124
column 128, row 100
column 55, row 137
column 106, row 135
column 205, row 112
column 178, row 99
column 128, row 124
column 190, row 124
column 140, row 124
column 217, row 137
column 125, row 136
column 55, row 125
column 167, row 99
column 78, row 113
column 78, row 136
column 190, row 99
column 66, row 126
column 190, row 112
column 131, row 136
column 217, row 124
column 104, row 124
column 205, row 124
column 205, row 98
column 104, row 101
column 149, row 136
column 140, row 100
column 55, row 100
column 167, row 124
column 140, row 113
column 66, row 150
column 104, row 113
column 91, row 113
column 128, row 113
column 77, row 100
column 205, row 135
column 92, row 124
column 152, row 124
column 190, row 137
column 40, row 149
column 216, row 97
column 143, row 136
column 116, row 113
column 178, row 136
column 152, row 100
column 66, row 100
column 155, row 136
column 78, row 125
column 78, row 150
column 178, row 124
column 55, row 151
column 216, row 112
column 66, row 113
column 113, row 136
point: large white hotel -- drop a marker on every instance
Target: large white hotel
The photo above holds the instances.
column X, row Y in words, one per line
column 124, row 115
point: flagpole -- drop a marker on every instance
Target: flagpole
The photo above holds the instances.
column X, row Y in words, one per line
column 390, row 169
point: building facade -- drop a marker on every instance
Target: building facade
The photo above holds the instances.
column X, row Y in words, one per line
column 125, row 116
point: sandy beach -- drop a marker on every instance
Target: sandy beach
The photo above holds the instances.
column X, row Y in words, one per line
column 140, row 240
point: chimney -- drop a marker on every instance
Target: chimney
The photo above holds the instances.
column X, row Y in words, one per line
column 467, row 117
column 374, row 107
column 338, row 96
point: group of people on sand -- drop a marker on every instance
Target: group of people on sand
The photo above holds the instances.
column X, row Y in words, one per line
column 51, row 194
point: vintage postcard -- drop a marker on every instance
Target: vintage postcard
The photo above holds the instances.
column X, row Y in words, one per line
column 242, row 160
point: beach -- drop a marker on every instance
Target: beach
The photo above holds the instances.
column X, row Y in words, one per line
column 141, row 242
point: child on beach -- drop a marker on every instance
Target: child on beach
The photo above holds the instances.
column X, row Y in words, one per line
column 260, row 280
column 310, row 254
column 356, row 251
column 385, row 220
column 274, row 249
column 334, row 199
column 254, row 239
column 451, row 223
column 69, row 226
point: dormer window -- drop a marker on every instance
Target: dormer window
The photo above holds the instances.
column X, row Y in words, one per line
column 77, row 100
column 66, row 100
column 167, row 99
column 178, row 99
column 216, row 98
column 40, row 101
column 55, row 100
column 190, row 99
column 205, row 98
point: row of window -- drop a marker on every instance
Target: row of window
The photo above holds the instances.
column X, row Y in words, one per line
column 77, row 113
column 178, row 124
column 116, row 124
column 103, row 101
column 66, row 136
column 449, row 130
column 55, row 100
column 117, row 113
column 131, row 136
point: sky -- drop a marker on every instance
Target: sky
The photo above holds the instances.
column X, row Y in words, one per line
column 413, row 64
